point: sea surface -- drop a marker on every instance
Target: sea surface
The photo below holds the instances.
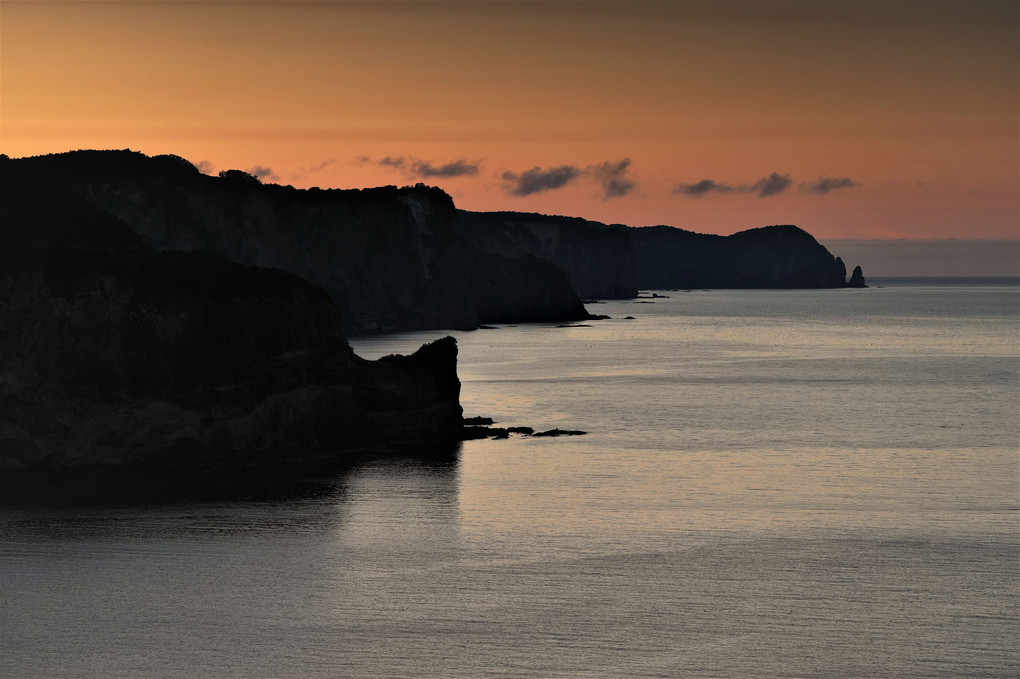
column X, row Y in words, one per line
column 797, row 483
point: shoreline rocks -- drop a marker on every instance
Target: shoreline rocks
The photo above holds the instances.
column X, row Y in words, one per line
column 473, row 432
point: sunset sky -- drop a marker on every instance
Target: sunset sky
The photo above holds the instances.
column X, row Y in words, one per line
column 854, row 120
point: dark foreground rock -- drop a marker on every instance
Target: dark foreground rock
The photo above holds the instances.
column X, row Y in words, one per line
column 477, row 420
column 115, row 355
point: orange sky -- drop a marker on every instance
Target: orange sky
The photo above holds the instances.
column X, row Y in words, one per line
column 914, row 105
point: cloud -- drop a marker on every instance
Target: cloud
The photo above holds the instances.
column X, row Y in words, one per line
column 390, row 161
column 263, row 172
column 611, row 176
column 458, row 168
column 705, row 186
column 772, row 185
column 320, row 167
column 415, row 168
column 824, row 185
column 537, row 180
column 361, row 160
column 205, row 167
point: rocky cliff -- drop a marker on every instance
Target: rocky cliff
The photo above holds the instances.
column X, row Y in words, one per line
column 114, row 354
column 598, row 259
column 614, row 261
column 390, row 258
column 769, row 257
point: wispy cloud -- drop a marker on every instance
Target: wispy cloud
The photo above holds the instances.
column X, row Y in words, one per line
column 537, row 180
column 824, row 185
column 205, row 167
column 392, row 161
column 458, row 168
column 702, row 188
column 416, row 168
column 772, row 185
column 611, row 176
column 320, row 167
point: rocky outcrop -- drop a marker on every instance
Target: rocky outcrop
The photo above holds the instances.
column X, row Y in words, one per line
column 115, row 355
column 857, row 279
column 598, row 259
column 769, row 257
column 389, row 258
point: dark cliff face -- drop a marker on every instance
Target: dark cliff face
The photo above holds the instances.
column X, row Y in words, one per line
column 597, row 259
column 769, row 257
column 114, row 354
column 390, row 258
column 615, row 261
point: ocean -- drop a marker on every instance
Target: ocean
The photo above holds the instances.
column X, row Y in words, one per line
column 774, row 483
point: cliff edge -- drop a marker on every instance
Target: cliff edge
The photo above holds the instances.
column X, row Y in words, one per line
column 116, row 355
column 598, row 259
column 390, row 258
column 769, row 257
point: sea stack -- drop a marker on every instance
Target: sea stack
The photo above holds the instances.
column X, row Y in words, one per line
column 857, row 279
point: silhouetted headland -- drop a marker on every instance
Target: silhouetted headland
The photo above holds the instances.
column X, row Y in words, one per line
column 390, row 258
column 615, row 261
column 406, row 259
column 143, row 329
column 116, row 355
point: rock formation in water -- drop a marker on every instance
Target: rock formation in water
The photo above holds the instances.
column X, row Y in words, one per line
column 598, row 259
column 769, row 257
column 114, row 354
column 390, row 258
column 857, row 278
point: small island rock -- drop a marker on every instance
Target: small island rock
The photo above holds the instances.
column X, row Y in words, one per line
column 857, row 279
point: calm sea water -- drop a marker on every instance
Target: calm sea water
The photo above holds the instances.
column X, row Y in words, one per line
column 774, row 483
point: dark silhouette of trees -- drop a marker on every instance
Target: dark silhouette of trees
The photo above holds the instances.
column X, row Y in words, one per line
column 239, row 178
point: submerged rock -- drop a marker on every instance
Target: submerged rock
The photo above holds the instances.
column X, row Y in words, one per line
column 560, row 432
